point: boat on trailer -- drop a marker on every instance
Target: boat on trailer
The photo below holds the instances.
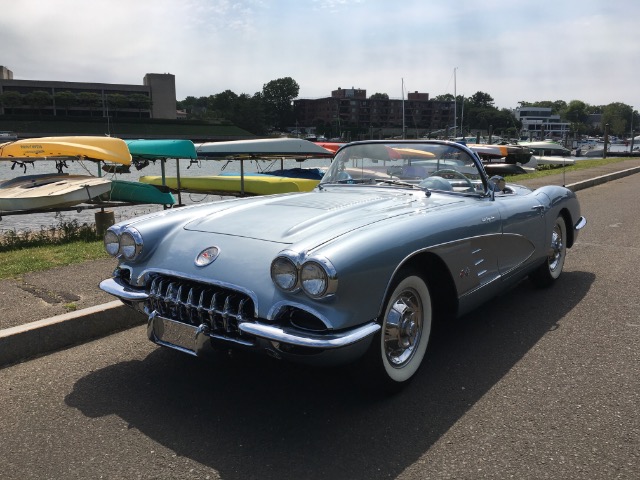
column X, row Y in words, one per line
column 145, row 151
column 49, row 191
column 58, row 190
column 106, row 149
column 233, row 184
column 292, row 148
column 242, row 183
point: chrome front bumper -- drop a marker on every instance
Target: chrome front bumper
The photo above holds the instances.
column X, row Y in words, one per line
column 275, row 339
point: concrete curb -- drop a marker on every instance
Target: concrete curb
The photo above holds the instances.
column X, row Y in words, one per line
column 54, row 333
column 592, row 182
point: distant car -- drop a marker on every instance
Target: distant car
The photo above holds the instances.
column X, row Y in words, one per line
column 398, row 235
column 7, row 136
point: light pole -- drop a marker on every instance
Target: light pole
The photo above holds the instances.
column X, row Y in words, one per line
column 632, row 135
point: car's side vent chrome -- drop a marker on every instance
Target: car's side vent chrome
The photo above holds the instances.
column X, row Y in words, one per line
column 197, row 303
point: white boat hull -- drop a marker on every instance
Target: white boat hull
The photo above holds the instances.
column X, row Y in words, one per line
column 38, row 192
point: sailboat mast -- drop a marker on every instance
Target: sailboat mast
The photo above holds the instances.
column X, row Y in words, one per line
column 403, row 127
column 455, row 105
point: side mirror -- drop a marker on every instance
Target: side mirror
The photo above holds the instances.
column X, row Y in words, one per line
column 497, row 183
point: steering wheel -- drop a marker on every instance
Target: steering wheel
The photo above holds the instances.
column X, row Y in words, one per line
column 448, row 172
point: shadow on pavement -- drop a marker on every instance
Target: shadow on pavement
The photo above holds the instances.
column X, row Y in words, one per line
column 260, row 418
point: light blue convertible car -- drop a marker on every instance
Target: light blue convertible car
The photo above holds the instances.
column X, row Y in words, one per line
column 397, row 236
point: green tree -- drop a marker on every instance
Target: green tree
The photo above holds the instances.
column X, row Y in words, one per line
column 89, row 100
column 577, row 114
column 224, row 103
column 556, row 106
column 11, row 100
column 618, row 116
column 117, row 101
column 278, row 96
column 447, row 97
column 379, row 96
column 481, row 100
column 38, row 99
column 197, row 108
column 249, row 114
column 65, row 100
column 140, row 102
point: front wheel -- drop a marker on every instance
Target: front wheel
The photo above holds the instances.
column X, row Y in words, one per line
column 398, row 349
column 551, row 269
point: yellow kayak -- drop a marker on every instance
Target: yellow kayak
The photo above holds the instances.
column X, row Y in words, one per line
column 106, row 149
column 231, row 184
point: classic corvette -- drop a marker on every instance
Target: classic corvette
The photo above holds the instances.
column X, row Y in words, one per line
column 397, row 236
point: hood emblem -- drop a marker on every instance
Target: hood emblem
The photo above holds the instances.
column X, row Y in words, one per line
column 207, row 256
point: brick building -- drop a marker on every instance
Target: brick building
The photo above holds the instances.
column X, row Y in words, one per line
column 351, row 109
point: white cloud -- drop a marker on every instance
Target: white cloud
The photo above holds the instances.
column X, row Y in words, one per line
column 574, row 49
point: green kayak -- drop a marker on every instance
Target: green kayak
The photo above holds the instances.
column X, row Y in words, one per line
column 159, row 149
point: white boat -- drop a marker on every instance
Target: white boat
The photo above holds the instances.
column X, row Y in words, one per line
column 263, row 148
column 39, row 192
column 554, row 160
column 546, row 148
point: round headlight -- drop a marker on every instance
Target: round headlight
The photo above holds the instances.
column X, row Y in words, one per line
column 130, row 244
column 284, row 274
column 314, row 279
column 111, row 243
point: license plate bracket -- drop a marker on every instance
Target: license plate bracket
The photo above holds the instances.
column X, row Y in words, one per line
column 170, row 333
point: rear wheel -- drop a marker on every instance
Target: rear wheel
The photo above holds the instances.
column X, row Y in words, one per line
column 551, row 269
column 399, row 347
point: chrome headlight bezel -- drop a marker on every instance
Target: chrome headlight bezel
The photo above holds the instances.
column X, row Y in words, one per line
column 131, row 243
column 314, row 279
column 111, row 242
column 329, row 277
column 315, row 276
column 284, row 273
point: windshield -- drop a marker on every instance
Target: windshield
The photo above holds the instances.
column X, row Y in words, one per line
column 443, row 166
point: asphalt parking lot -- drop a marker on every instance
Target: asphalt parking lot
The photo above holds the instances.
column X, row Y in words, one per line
column 536, row 384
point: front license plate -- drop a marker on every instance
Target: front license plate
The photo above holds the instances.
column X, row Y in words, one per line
column 174, row 333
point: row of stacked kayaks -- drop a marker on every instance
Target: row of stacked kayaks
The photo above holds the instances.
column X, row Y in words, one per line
column 114, row 155
column 57, row 190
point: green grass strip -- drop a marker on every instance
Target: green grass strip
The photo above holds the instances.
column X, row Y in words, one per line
column 34, row 259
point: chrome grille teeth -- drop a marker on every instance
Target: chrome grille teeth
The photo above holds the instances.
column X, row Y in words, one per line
column 241, row 306
column 179, row 304
column 196, row 303
column 189, row 306
column 226, row 313
column 213, row 310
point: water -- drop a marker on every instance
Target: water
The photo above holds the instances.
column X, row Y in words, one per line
column 36, row 221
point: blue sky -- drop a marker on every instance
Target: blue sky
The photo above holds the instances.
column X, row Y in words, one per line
column 511, row 49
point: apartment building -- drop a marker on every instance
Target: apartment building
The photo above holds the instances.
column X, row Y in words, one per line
column 350, row 108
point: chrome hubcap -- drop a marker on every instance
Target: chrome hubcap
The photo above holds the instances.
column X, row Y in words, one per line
column 556, row 250
column 403, row 328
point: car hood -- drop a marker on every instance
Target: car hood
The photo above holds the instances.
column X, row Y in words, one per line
column 288, row 218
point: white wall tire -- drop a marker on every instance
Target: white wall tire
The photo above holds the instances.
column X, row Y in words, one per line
column 397, row 350
column 551, row 269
